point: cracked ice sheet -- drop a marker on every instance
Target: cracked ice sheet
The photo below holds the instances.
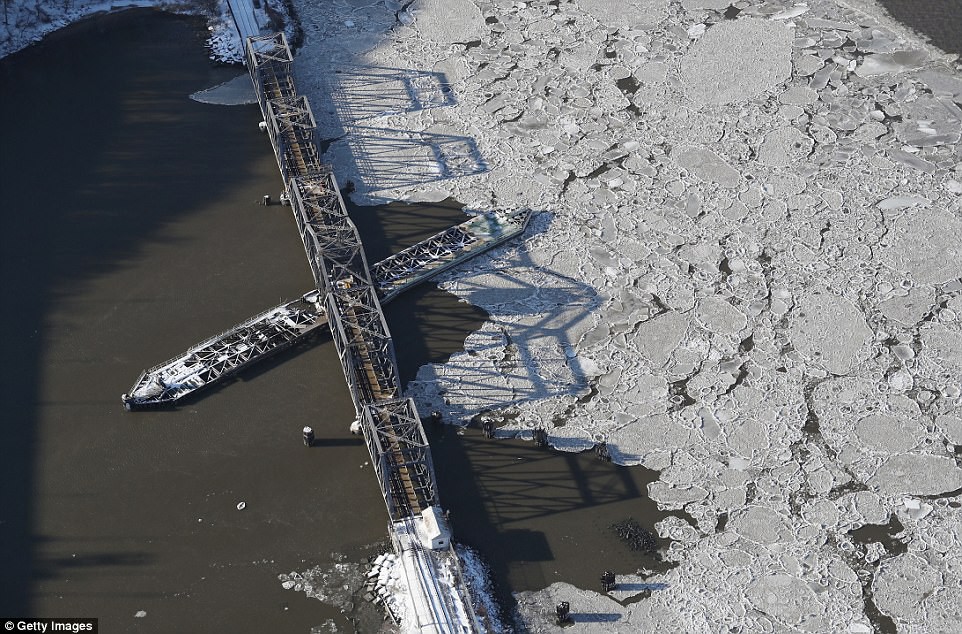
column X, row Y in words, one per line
column 746, row 261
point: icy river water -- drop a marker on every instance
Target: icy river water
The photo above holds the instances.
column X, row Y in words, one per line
column 131, row 230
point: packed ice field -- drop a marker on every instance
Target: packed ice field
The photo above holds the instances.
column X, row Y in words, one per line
column 744, row 273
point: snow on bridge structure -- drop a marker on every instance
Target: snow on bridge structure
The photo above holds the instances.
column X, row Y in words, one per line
column 389, row 422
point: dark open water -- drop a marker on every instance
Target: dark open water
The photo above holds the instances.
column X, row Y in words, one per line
column 131, row 230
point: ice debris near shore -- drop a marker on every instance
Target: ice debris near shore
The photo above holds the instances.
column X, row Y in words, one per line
column 745, row 274
column 382, row 582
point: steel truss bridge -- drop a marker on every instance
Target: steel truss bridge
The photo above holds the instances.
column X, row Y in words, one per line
column 390, row 423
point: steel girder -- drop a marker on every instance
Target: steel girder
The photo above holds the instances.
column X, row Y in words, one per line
column 442, row 246
column 321, row 211
column 292, row 127
column 364, row 346
column 340, row 267
column 267, row 49
column 401, row 456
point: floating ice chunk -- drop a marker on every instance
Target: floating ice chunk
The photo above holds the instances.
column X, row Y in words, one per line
column 234, row 92
column 706, row 165
column 657, row 338
column 675, row 496
column 901, row 202
column 241, row 506
column 916, row 509
column 630, row 13
column 820, row 79
column 798, row 95
column 943, row 84
column 784, row 597
column 719, row 316
column 739, row 464
column 447, row 21
column 901, row 584
column 823, row 513
column 737, row 60
column 830, row 331
column 784, row 146
column 835, row 25
column 832, row 198
column 927, row 245
column 652, row 73
column 929, row 122
column 759, row 524
column 903, row 352
column 571, row 438
column 910, row 308
column 870, row 506
column 139, row 614
column 695, row 31
column 749, row 438
column 705, row 4
column 587, row 367
column 889, row 433
column 790, row 13
column 885, row 63
column 951, row 427
column 901, row 380
column 917, row 474
column 910, row 160
column 943, row 346
column 807, row 65
column 645, row 394
column 648, row 440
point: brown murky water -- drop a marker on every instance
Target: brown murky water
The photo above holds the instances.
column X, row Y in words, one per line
column 131, row 230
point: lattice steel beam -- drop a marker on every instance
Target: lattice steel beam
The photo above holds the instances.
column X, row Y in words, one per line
column 401, row 454
column 267, row 49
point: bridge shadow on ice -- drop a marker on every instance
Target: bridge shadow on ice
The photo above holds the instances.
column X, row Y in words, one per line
column 349, row 101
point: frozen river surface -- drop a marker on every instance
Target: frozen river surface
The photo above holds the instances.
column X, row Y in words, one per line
column 745, row 274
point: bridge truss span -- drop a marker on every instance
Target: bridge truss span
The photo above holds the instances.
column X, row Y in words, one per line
column 390, row 424
column 394, row 434
column 287, row 115
column 341, row 272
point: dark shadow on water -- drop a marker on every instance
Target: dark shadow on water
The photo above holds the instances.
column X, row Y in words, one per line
column 637, row 587
column 539, row 516
column 427, row 324
column 328, row 443
column 595, row 617
column 939, row 20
